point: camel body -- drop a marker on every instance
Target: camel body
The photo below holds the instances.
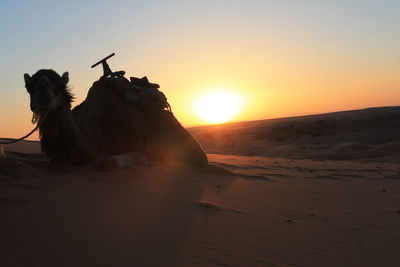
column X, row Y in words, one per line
column 116, row 118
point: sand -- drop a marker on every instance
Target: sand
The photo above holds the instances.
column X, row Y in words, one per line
column 272, row 204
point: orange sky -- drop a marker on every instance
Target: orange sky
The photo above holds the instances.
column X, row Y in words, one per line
column 283, row 59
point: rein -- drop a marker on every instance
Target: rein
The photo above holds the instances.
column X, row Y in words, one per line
column 35, row 119
column 19, row 139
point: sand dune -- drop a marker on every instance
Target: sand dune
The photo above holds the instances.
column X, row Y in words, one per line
column 369, row 134
column 261, row 203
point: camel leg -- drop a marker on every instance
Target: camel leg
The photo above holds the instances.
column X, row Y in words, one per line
column 118, row 162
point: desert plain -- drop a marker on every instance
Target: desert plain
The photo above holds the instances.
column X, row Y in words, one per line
column 320, row 190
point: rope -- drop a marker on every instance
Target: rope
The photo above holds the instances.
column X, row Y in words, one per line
column 19, row 139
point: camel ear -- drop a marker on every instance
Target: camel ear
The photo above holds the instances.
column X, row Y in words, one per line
column 27, row 78
column 65, row 78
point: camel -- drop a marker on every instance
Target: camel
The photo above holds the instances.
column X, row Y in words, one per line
column 117, row 120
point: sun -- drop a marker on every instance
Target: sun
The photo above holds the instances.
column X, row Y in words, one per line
column 218, row 106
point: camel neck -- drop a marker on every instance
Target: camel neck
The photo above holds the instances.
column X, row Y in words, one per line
column 60, row 138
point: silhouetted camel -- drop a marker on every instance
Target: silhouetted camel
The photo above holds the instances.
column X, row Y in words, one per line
column 116, row 118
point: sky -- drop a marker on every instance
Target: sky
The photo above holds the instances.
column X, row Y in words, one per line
column 283, row 57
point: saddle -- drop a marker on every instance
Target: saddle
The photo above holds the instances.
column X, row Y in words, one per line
column 143, row 83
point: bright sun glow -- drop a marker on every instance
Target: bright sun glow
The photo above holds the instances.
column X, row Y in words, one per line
column 218, row 106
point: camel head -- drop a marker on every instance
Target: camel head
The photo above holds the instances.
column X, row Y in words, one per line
column 48, row 91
